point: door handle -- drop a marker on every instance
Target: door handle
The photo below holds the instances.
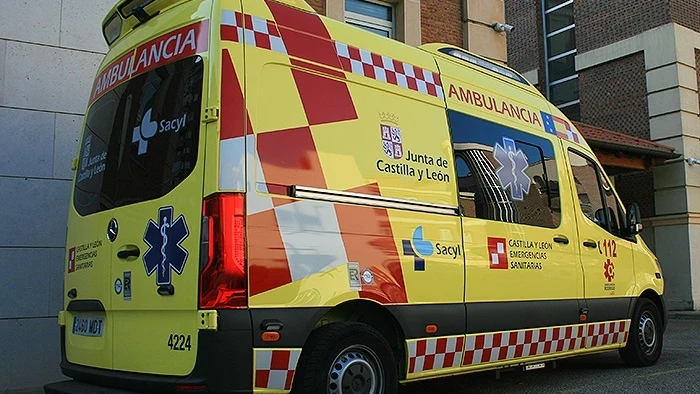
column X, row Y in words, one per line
column 166, row 290
column 590, row 244
column 561, row 239
column 129, row 251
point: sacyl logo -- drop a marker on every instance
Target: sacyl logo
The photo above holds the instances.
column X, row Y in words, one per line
column 418, row 248
column 149, row 128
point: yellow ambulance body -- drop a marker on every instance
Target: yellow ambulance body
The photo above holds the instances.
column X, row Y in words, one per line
column 269, row 200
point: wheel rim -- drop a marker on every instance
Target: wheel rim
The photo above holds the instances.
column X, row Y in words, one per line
column 647, row 333
column 356, row 370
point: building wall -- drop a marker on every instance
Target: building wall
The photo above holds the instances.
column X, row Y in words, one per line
column 318, row 5
column 686, row 13
column 614, row 96
column 49, row 52
column 525, row 43
column 599, row 23
column 466, row 25
column 638, row 63
column 442, row 21
column 673, row 110
column 697, row 72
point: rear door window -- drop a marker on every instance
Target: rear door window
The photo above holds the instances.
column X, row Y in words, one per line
column 141, row 138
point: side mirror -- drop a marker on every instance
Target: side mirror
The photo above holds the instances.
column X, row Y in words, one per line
column 634, row 220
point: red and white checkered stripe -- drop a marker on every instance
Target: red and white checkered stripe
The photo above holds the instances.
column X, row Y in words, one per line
column 382, row 68
column 484, row 348
column 500, row 346
column 434, row 353
column 274, row 369
column 258, row 32
column 608, row 333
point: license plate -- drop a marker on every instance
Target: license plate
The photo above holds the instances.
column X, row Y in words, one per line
column 88, row 326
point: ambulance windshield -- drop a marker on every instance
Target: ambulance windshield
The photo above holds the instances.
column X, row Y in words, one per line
column 140, row 138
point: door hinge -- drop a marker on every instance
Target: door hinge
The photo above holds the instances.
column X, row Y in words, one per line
column 211, row 114
column 208, row 320
column 61, row 318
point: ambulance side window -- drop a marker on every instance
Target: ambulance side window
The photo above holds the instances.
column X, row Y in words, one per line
column 504, row 174
column 595, row 194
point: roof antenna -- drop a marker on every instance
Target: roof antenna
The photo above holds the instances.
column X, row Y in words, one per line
column 142, row 15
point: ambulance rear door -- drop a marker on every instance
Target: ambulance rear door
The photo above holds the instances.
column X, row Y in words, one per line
column 145, row 127
column 158, row 199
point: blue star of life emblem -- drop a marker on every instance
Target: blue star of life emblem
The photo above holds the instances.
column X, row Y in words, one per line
column 512, row 174
column 165, row 251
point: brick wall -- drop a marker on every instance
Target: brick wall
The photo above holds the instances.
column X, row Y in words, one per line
column 525, row 44
column 697, row 71
column 613, row 95
column 442, row 21
column 686, row 13
column 637, row 187
column 602, row 22
column 318, row 5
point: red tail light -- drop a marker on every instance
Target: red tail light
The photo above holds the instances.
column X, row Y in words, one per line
column 223, row 281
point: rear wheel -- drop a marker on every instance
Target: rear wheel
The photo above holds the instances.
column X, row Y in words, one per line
column 646, row 335
column 346, row 358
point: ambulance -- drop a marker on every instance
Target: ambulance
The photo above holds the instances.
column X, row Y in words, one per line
column 267, row 200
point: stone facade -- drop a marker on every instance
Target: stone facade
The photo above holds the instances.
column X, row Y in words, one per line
column 49, row 52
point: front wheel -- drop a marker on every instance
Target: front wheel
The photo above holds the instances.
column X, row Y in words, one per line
column 346, row 358
column 646, row 335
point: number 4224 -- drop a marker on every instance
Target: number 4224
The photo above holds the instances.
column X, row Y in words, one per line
column 180, row 342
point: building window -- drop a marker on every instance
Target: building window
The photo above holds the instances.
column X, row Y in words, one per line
column 375, row 16
column 560, row 51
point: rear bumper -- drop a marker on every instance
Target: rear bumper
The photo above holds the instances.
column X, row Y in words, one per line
column 224, row 365
column 74, row 387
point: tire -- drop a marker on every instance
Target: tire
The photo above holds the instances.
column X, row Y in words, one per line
column 346, row 358
column 646, row 335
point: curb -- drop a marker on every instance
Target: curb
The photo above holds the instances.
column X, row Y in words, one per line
column 684, row 315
